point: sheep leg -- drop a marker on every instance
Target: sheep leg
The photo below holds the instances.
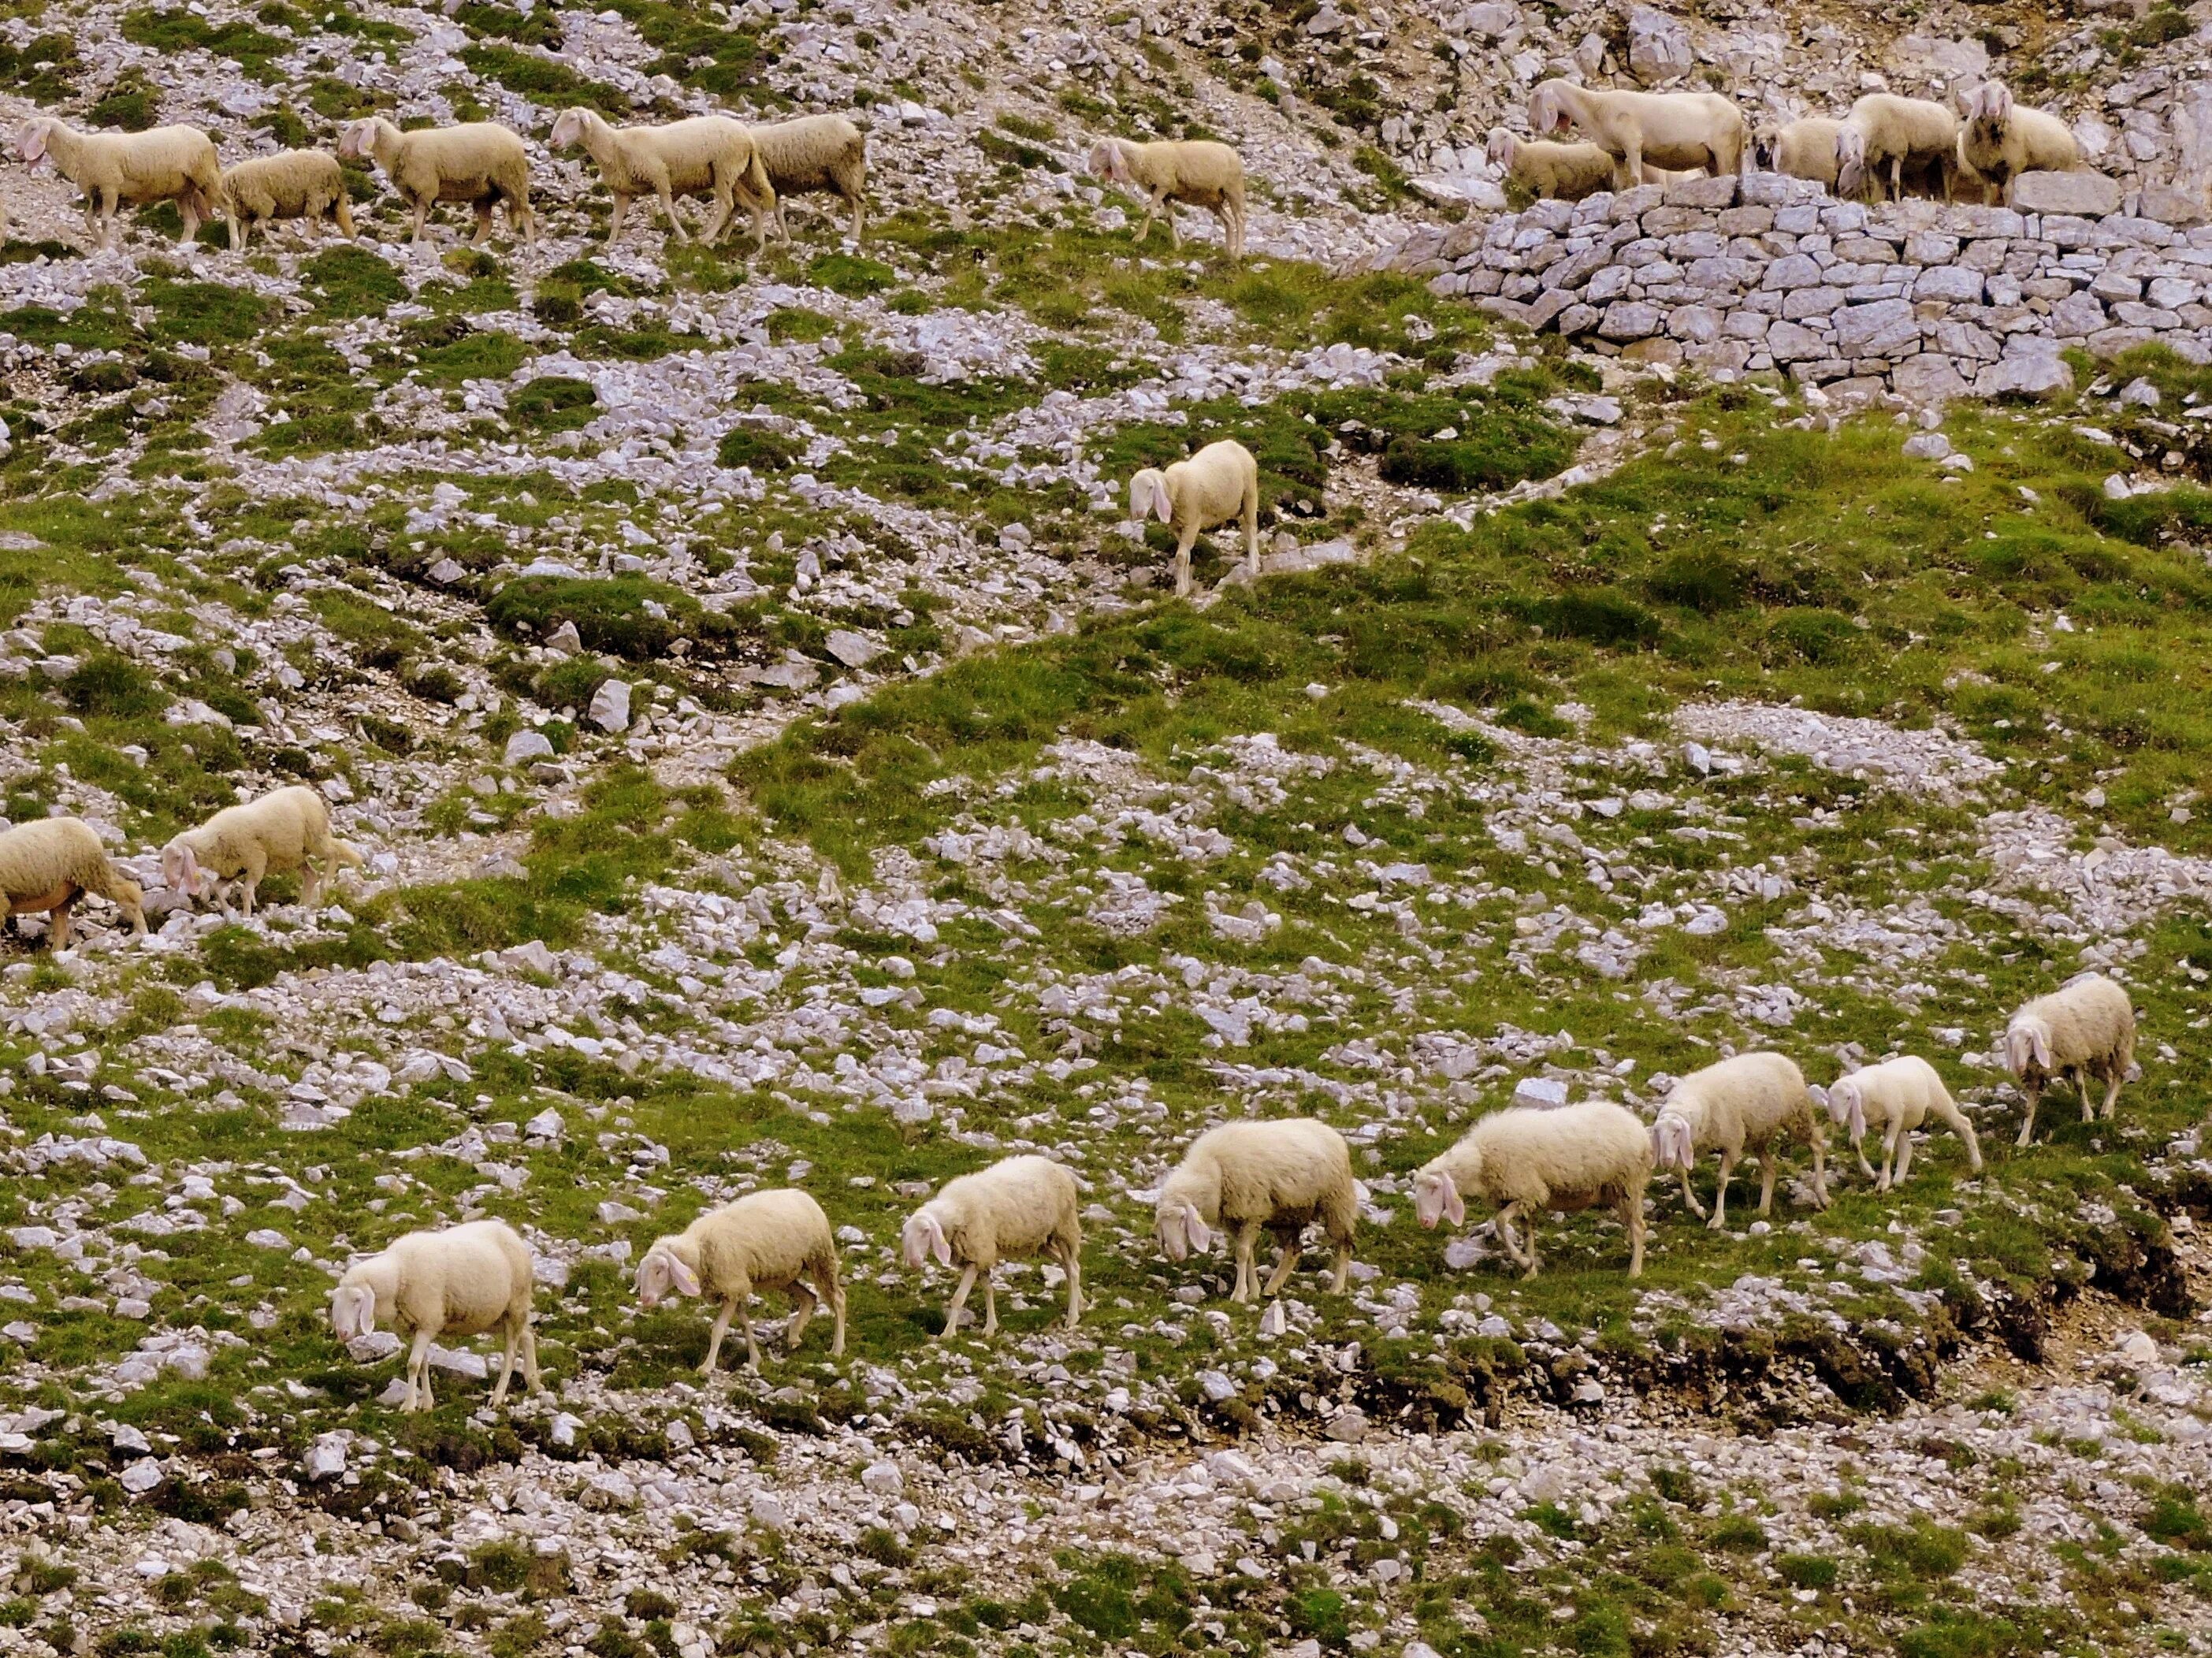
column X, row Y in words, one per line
column 1858, row 1150
column 58, row 924
column 421, row 217
column 2027, row 1122
column 1769, row 1166
column 990, row 1306
column 752, row 1346
column 668, row 211
column 721, row 1328
column 2113, row 1080
column 1184, row 543
column 513, row 1335
column 484, row 225
column 257, row 865
column 1248, row 1276
column 837, row 1310
column 1252, row 532
column 530, row 1358
column 188, row 205
column 109, row 201
column 1904, row 1156
column 1690, row 1197
column 1628, row 172
column 342, row 210
column 1720, row 1193
column 959, row 1300
column 2081, row 1087
column 1819, row 1167
column 1502, row 1224
column 803, row 1302
column 1284, row 1262
column 418, row 1374
column 860, row 218
column 1631, row 1216
column 615, row 218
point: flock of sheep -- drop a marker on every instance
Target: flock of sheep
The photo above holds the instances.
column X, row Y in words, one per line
column 1246, row 1178
column 1884, row 145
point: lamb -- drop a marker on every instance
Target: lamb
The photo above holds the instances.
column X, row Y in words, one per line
column 1564, row 173
column 1748, row 1103
column 1894, row 1098
column 463, row 1281
column 1244, row 1176
column 2085, row 1029
column 483, row 164
column 1675, row 130
column 1529, row 1160
column 48, row 864
column 293, row 184
column 1195, row 172
column 1219, row 483
column 172, row 163
column 2000, row 140
column 1883, row 130
column 765, row 1240
column 708, row 155
column 816, row 155
column 1022, row 1206
column 283, row 830
column 1803, row 149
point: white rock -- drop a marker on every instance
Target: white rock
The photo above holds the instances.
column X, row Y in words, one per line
column 609, row 709
column 326, row 1457
column 141, row 1477
column 526, row 745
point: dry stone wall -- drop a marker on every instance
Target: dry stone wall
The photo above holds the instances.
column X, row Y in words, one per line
column 1928, row 299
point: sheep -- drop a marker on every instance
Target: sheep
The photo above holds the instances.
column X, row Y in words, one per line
column 1885, row 130
column 1803, row 149
column 1564, row 173
column 172, row 163
column 1021, row 1207
column 293, row 184
column 2000, row 140
column 815, row 155
column 1196, row 172
column 1894, row 1098
column 706, row 155
column 48, row 864
column 1527, row 1160
column 1678, row 130
column 1746, row 1103
column 1243, row 1176
column 481, row 163
column 283, row 830
column 464, row 1281
column 765, row 1240
column 2085, row 1029
column 1219, row 483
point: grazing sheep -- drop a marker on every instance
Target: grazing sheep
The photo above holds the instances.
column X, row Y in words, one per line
column 483, row 164
column 293, row 184
column 1563, row 172
column 166, row 164
column 2085, row 1029
column 1748, row 1103
column 48, row 864
column 1803, row 149
column 1884, row 132
column 1675, row 130
column 463, row 1281
column 283, row 830
column 2000, row 140
column 1219, row 483
column 1022, row 1206
column 767, row 1240
column 708, row 155
column 1894, row 1098
column 1529, row 1160
column 816, row 155
column 1244, row 1176
column 1194, row 171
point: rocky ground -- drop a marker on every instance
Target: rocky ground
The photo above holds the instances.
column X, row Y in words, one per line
column 777, row 763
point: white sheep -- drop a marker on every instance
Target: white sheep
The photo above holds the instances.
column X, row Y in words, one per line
column 1221, row 482
column 1676, row 129
column 1893, row 1099
column 816, row 155
column 765, row 1240
column 1242, row 1177
column 1196, row 172
column 48, row 864
column 463, row 1281
column 2000, row 140
column 1748, row 1103
column 2085, row 1029
column 481, row 163
column 287, row 830
column 1019, row 1208
column 165, row 164
column 706, row 155
column 1803, row 149
column 293, row 184
column 1563, row 172
column 1529, row 1160
column 1883, row 131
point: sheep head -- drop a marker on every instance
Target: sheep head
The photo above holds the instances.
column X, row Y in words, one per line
column 31, row 139
column 353, row 1311
column 1847, row 1106
column 180, row 870
column 1766, row 146
column 1436, row 1197
column 1108, row 162
column 923, row 1236
column 569, row 129
column 1991, row 105
column 1850, row 160
column 1181, row 1232
column 2028, row 1045
column 661, row 1271
column 1548, row 111
column 1673, row 1145
column 1501, row 148
column 1149, row 497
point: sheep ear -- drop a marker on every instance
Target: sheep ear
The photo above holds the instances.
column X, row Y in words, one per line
column 1195, row 1229
column 2039, row 1044
column 1140, row 495
column 188, row 863
column 1454, row 1208
column 686, row 1280
column 940, row 1245
column 1858, row 1116
column 1163, row 508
